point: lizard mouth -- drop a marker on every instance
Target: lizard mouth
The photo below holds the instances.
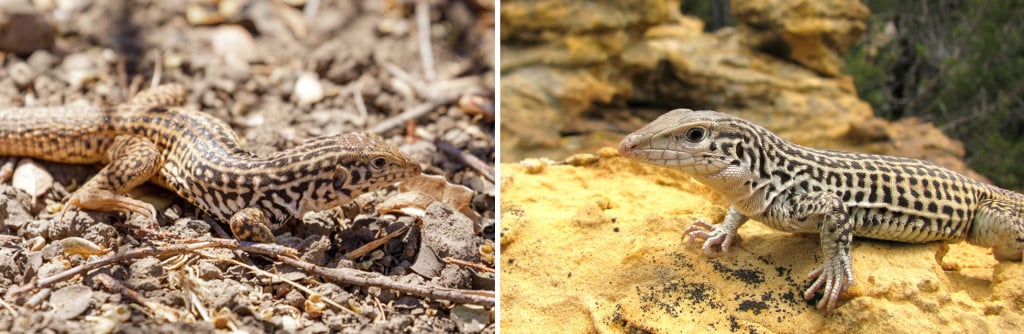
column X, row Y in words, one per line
column 696, row 164
column 662, row 157
column 629, row 145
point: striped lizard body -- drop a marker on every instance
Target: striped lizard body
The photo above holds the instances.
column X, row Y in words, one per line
column 199, row 157
column 835, row 194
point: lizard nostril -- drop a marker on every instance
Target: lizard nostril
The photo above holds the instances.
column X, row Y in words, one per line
column 627, row 145
column 625, row 149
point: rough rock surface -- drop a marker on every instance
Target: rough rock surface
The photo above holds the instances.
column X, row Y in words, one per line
column 812, row 33
column 595, row 71
column 599, row 248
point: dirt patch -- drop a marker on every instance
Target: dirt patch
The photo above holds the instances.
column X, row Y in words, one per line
column 278, row 74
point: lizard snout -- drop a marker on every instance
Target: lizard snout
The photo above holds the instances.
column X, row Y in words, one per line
column 628, row 144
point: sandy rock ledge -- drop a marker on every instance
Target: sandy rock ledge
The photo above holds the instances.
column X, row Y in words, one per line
column 600, row 248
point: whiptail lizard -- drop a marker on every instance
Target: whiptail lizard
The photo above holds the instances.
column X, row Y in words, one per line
column 152, row 138
column 835, row 194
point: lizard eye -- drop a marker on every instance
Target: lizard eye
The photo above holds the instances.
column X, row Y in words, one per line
column 695, row 135
column 379, row 163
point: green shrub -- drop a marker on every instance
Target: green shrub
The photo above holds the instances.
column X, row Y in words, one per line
column 957, row 63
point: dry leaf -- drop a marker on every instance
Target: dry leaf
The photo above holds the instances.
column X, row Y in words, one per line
column 427, row 264
column 37, row 243
column 315, row 306
column 437, row 188
column 32, row 178
column 80, row 246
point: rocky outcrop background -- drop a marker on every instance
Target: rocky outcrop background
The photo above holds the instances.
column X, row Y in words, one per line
column 577, row 75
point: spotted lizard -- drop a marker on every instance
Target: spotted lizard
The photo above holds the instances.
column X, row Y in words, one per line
column 837, row 195
column 153, row 138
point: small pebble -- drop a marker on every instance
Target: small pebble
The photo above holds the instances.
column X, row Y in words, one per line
column 608, row 152
column 199, row 13
column 308, row 89
column 235, row 45
column 22, row 74
column 533, row 166
column 581, row 159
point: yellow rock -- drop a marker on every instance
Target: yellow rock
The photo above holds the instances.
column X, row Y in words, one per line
column 600, row 248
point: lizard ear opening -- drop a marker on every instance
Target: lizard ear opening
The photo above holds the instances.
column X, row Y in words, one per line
column 339, row 177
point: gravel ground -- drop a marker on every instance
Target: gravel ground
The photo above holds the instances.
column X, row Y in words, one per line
column 278, row 72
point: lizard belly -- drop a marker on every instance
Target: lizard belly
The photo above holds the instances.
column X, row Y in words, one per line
column 885, row 224
column 809, row 225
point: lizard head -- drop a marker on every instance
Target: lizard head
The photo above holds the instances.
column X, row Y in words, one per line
column 701, row 143
column 360, row 164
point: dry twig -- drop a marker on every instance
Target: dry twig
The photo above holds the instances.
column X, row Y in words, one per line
column 426, row 47
column 398, row 120
column 365, row 278
column 162, row 311
column 158, row 70
column 476, row 266
column 288, row 281
column 164, row 250
column 370, row 246
column 8, row 307
column 441, row 91
column 470, row 160
column 277, row 252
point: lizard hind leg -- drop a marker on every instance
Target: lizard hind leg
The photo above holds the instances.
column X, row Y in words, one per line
column 251, row 224
column 133, row 161
column 999, row 224
column 833, row 223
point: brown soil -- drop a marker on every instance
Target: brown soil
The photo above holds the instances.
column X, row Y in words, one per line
column 243, row 69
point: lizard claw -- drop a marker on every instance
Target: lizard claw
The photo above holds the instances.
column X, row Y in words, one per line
column 835, row 276
column 712, row 235
column 105, row 200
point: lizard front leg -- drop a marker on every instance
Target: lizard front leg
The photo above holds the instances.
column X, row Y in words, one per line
column 831, row 219
column 133, row 161
column 721, row 235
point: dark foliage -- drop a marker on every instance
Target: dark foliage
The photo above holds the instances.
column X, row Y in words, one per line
column 957, row 63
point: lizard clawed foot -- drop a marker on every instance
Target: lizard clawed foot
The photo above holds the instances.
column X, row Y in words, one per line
column 251, row 224
column 835, row 276
column 713, row 235
column 105, row 200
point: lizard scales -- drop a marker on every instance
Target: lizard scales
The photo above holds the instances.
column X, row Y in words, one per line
column 200, row 158
column 836, row 194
